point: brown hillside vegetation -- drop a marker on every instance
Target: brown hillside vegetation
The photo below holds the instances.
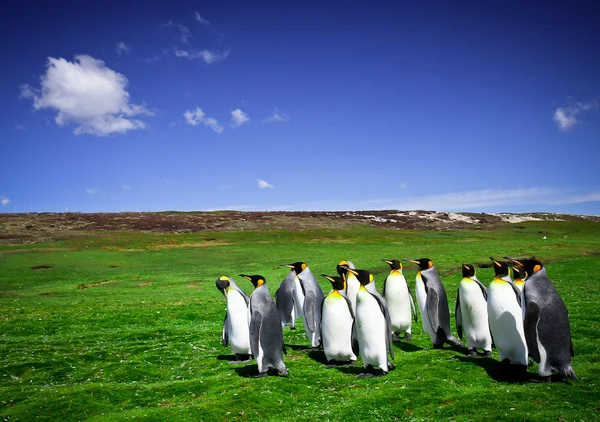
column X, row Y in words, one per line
column 37, row 227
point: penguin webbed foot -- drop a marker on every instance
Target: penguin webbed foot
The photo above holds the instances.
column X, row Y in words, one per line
column 407, row 337
column 240, row 358
column 472, row 353
column 260, row 375
column 487, row 353
column 395, row 337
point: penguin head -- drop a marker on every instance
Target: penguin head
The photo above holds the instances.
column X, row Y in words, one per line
column 337, row 283
column 500, row 268
column 518, row 272
column 342, row 267
column 363, row 276
column 257, row 280
column 468, row 271
column 394, row 264
column 223, row 282
column 531, row 265
column 423, row 263
column 297, row 267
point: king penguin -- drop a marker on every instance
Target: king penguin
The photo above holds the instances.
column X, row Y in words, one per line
column 471, row 313
column 519, row 278
column 373, row 328
column 547, row 328
column 506, row 319
column 433, row 304
column 266, row 332
column 235, row 325
column 337, row 319
column 313, row 297
column 286, row 301
column 352, row 284
column 399, row 299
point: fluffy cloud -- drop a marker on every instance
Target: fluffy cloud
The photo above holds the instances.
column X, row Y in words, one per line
column 263, row 184
column 91, row 191
column 4, row 201
column 201, row 20
column 277, row 116
column 209, row 57
column 566, row 117
column 238, row 118
column 197, row 116
column 122, row 48
column 87, row 94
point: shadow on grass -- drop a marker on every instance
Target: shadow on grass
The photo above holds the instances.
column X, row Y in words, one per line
column 226, row 357
column 298, row 347
column 406, row 346
column 247, row 371
column 353, row 369
column 512, row 374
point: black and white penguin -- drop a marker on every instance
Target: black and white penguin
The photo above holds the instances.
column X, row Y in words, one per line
column 547, row 328
column 400, row 303
column 372, row 327
column 286, row 301
column 235, row 324
column 313, row 297
column 506, row 319
column 352, row 284
column 266, row 332
column 337, row 319
column 471, row 313
column 433, row 304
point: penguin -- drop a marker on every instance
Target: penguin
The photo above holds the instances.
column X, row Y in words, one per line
column 313, row 297
column 471, row 313
column 506, row 320
column 433, row 304
column 372, row 327
column 266, row 332
column 399, row 299
column 286, row 301
column 547, row 328
column 235, row 324
column 337, row 319
column 352, row 284
column 519, row 278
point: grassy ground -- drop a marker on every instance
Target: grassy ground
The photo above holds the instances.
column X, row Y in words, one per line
column 128, row 325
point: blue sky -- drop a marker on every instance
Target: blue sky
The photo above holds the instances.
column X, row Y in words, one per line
column 448, row 106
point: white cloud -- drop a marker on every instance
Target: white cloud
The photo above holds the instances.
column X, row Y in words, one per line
column 184, row 32
column 19, row 127
column 126, row 187
column 122, row 48
column 566, row 117
column 402, row 185
column 91, row 191
column 197, row 116
column 277, row 116
column 88, row 94
column 238, row 117
column 209, row 57
column 4, row 201
column 263, row 184
column 201, row 20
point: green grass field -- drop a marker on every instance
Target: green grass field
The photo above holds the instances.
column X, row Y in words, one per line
column 126, row 326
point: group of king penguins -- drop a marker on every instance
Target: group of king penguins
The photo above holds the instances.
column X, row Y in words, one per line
column 522, row 316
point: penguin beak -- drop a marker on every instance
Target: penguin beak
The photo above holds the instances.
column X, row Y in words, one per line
column 387, row 262
column 286, row 265
column 247, row 277
column 496, row 263
column 413, row 261
column 513, row 260
column 328, row 277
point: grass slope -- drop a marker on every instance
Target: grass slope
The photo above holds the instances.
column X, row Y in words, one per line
column 128, row 325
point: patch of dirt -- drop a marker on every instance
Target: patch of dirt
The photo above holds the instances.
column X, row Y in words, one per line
column 41, row 267
column 84, row 286
column 41, row 227
column 48, row 294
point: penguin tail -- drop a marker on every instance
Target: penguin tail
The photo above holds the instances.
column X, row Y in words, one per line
column 568, row 373
column 453, row 341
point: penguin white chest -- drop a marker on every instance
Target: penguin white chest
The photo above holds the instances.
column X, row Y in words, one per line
column 237, row 319
column 398, row 301
column 474, row 314
column 422, row 300
column 371, row 330
column 336, row 328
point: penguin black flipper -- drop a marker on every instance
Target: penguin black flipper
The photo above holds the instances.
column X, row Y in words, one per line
column 483, row 288
column 458, row 315
column 433, row 309
column 412, row 303
column 225, row 335
column 354, row 340
column 255, row 326
column 309, row 311
column 388, row 323
column 516, row 290
column 532, row 317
